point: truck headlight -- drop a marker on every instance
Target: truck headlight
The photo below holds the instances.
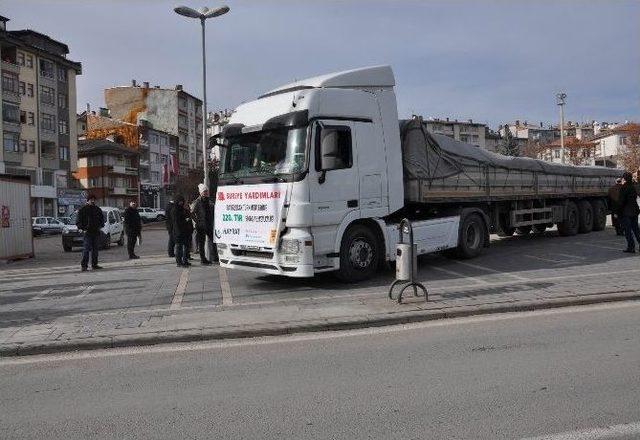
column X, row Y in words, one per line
column 290, row 246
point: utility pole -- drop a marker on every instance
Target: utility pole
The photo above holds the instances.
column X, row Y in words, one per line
column 560, row 101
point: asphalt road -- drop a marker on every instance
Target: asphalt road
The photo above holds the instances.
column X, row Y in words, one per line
column 500, row 377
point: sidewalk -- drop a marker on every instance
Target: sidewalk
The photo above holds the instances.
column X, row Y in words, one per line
column 181, row 322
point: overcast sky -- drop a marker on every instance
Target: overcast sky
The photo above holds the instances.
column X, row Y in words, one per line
column 492, row 61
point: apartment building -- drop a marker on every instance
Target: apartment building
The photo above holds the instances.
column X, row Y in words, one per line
column 158, row 154
column 172, row 111
column 38, row 106
column 611, row 143
column 469, row 131
column 108, row 170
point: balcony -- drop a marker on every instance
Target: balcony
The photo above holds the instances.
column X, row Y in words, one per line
column 122, row 191
column 11, row 67
column 11, row 96
column 121, row 169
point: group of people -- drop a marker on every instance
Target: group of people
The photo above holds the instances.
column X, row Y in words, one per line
column 182, row 220
column 624, row 210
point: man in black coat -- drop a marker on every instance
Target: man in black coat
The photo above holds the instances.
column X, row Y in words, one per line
column 613, row 197
column 203, row 216
column 182, row 230
column 90, row 220
column 171, row 244
column 132, row 227
column 628, row 212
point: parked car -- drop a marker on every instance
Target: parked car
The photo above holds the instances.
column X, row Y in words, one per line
column 111, row 232
column 151, row 214
column 46, row 225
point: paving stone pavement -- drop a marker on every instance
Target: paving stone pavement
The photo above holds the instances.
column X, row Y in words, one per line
column 47, row 305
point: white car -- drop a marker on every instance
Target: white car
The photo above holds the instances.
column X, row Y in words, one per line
column 151, row 214
column 46, row 225
column 111, row 232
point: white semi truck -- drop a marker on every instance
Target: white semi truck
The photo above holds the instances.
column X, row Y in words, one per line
column 315, row 176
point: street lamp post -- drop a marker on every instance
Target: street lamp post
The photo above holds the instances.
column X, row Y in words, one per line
column 560, row 100
column 203, row 14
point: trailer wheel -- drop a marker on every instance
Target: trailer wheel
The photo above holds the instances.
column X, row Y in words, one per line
column 599, row 215
column 471, row 238
column 359, row 254
column 539, row 229
column 523, row 230
column 585, row 217
column 570, row 224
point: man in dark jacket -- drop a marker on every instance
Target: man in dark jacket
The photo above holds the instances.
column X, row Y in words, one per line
column 614, row 198
column 132, row 227
column 171, row 244
column 90, row 220
column 203, row 216
column 628, row 212
column 181, row 227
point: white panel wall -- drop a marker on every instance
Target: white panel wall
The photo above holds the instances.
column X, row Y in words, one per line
column 16, row 239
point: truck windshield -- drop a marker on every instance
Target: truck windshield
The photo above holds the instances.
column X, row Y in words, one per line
column 271, row 153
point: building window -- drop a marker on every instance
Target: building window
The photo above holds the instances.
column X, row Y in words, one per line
column 153, row 138
column 10, row 142
column 63, row 153
column 182, row 120
column 30, row 90
column 29, row 59
column 10, row 113
column 21, row 88
column 23, row 145
column 48, row 122
column 23, row 117
column 32, row 146
column 556, row 154
column 63, row 126
column 46, row 69
column 9, row 82
column 62, row 100
column 47, row 95
column 62, row 74
column 20, row 58
column 30, row 118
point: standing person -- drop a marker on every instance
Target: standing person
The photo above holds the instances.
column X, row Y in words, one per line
column 628, row 212
column 189, row 232
column 90, row 220
column 203, row 214
column 181, row 221
column 171, row 244
column 132, row 227
column 614, row 199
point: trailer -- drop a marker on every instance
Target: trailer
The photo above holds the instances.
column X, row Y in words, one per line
column 16, row 238
column 317, row 175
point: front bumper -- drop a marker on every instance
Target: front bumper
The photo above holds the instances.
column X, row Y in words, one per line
column 73, row 239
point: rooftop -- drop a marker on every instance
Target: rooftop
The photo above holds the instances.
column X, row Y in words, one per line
column 102, row 146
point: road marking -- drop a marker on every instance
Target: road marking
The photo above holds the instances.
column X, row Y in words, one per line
column 227, row 299
column 178, row 295
column 85, row 291
column 459, row 275
column 488, row 269
column 41, row 295
column 610, row 432
column 300, row 337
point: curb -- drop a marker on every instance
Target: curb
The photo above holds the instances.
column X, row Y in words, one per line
column 332, row 324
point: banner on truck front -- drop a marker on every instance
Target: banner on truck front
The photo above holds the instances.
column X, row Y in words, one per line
column 249, row 215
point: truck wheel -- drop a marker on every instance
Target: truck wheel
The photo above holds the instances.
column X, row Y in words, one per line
column 585, row 217
column 539, row 229
column 570, row 224
column 599, row 215
column 121, row 240
column 471, row 237
column 523, row 230
column 359, row 254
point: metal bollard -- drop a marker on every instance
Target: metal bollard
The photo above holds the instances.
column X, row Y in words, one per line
column 407, row 264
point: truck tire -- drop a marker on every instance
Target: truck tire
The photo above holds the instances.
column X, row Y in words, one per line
column 359, row 254
column 599, row 215
column 570, row 224
column 523, row 230
column 471, row 237
column 585, row 217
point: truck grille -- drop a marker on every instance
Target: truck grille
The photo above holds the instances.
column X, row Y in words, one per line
column 252, row 254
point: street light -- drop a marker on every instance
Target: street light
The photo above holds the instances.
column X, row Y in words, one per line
column 560, row 100
column 203, row 14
